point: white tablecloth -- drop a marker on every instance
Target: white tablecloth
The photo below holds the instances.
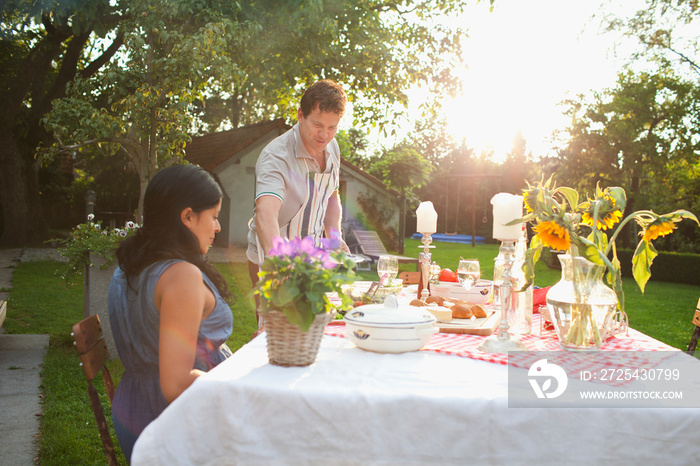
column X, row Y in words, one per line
column 354, row 407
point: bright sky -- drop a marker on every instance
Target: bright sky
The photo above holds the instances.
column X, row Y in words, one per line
column 521, row 60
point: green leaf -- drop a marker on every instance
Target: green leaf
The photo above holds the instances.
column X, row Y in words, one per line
column 620, row 197
column 641, row 263
column 286, row 293
column 570, row 194
column 298, row 315
column 532, row 255
column 683, row 214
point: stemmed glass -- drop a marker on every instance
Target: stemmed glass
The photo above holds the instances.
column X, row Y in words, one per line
column 387, row 269
column 468, row 273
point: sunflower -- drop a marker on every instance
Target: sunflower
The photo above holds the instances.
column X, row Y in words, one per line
column 553, row 235
column 606, row 221
column 659, row 227
column 608, row 215
column 526, row 202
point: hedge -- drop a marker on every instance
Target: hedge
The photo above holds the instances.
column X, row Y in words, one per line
column 670, row 267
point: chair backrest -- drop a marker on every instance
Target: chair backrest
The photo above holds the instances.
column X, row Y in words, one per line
column 92, row 349
column 696, row 332
column 409, row 278
column 370, row 244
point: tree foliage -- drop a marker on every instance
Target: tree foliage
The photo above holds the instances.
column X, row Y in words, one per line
column 639, row 135
column 140, row 103
column 185, row 66
column 45, row 44
column 376, row 49
column 667, row 32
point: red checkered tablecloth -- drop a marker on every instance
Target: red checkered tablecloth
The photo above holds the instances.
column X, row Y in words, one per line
column 465, row 345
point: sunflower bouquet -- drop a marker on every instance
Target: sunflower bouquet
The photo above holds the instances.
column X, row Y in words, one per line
column 589, row 227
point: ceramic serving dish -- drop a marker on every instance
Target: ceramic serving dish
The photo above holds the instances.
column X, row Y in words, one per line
column 480, row 293
column 389, row 327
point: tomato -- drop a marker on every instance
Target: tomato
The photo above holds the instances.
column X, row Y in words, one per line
column 447, row 275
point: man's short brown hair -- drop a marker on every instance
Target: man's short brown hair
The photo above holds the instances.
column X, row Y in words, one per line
column 329, row 96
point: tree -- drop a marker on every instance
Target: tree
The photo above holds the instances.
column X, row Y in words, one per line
column 43, row 47
column 633, row 136
column 515, row 167
column 353, row 145
column 377, row 50
column 666, row 30
column 273, row 50
column 405, row 170
column 172, row 50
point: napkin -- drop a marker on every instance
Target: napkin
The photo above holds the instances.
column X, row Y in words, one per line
column 539, row 298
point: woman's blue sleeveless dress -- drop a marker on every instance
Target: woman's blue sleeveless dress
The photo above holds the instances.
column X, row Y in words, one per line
column 135, row 322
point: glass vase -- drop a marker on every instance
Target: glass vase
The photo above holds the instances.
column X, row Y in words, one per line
column 582, row 307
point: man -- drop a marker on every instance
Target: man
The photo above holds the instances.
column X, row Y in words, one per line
column 297, row 176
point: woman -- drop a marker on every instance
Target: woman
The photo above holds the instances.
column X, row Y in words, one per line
column 168, row 316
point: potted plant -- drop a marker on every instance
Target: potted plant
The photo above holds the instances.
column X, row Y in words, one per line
column 91, row 249
column 296, row 283
column 90, row 245
column 584, row 310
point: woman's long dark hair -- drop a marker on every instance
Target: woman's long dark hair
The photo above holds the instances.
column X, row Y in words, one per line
column 162, row 234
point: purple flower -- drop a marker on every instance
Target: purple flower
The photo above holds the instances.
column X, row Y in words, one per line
column 307, row 246
column 303, row 248
column 327, row 261
column 333, row 242
column 282, row 247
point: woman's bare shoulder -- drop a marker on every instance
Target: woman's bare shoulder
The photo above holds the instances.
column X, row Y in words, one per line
column 181, row 273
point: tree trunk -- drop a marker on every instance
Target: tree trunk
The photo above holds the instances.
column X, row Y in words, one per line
column 23, row 223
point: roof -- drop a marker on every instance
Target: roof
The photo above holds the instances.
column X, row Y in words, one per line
column 349, row 166
column 211, row 150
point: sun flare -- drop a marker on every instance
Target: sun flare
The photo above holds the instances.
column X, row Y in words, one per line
column 520, row 63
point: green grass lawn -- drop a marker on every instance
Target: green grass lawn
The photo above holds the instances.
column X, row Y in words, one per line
column 40, row 303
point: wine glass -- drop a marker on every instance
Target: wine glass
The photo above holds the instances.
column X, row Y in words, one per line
column 468, row 272
column 387, row 269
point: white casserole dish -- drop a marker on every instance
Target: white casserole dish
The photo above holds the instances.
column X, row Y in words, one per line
column 389, row 327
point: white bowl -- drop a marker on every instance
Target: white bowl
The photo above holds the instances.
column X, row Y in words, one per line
column 389, row 327
column 357, row 291
column 480, row 293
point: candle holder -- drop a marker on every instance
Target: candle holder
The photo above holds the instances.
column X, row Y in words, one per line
column 503, row 342
column 425, row 260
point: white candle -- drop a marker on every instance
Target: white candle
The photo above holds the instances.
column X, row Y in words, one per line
column 426, row 218
column 506, row 208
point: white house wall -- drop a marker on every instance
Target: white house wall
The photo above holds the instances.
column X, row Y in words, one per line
column 356, row 184
column 237, row 176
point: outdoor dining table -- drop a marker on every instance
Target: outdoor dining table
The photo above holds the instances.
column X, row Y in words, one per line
column 445, row 404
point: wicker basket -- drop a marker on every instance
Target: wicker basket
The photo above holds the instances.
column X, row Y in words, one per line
column 287, row 345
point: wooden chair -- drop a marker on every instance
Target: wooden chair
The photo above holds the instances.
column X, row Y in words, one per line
column 93, row 352
column 410, row 278
column 696, row 333
column 370, row 245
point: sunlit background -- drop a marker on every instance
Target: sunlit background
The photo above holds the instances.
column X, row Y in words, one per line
column 521, row 60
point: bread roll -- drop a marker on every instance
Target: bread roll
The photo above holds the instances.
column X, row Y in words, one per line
column 417, row 302
column 478, row 311
column 439, row 300
column 461, row 311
